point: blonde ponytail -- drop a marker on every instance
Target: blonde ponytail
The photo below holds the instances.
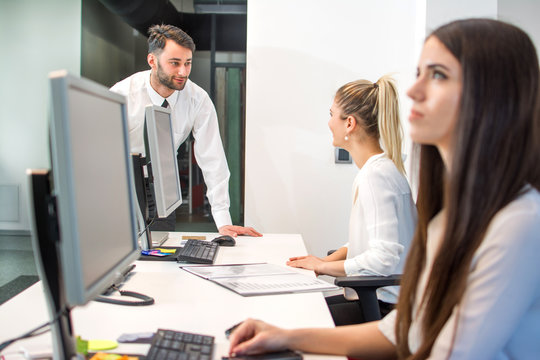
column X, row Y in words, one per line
column 376, row 107
column 390, row 129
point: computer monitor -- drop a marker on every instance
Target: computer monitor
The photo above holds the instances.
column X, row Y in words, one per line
column 93, row 185
column 84, row 220
column 162, row 158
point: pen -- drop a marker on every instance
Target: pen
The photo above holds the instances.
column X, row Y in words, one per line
column 231, row 329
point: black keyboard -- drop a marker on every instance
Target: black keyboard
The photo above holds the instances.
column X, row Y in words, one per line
column 177, row 345
column 198, row 252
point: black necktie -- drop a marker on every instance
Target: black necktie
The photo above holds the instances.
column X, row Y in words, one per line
column 165, row 104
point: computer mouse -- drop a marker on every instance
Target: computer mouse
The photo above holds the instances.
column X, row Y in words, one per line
column 225, row 240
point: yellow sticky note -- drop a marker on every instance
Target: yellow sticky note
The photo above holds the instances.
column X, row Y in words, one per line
column 166, row 251
column 100, row 345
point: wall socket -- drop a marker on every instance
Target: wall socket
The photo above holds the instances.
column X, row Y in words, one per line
column 342, row 156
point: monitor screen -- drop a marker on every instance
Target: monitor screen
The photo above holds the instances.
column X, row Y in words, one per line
column 92, row 182
column 166, row 178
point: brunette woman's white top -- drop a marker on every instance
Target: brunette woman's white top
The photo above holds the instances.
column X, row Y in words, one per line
column 499, row 314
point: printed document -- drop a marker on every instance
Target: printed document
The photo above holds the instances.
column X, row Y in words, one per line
column 260, row 279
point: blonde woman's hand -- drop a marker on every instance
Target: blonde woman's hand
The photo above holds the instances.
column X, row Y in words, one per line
column 309, row 262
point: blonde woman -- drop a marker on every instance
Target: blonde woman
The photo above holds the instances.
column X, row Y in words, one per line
column 364, row 120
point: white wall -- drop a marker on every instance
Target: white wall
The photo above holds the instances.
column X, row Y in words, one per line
column 294, row 67
column 36, row 37
column 439, row 12
column 299, row 52
column 523, row 13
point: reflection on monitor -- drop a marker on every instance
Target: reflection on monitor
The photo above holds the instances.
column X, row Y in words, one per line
column 92, row 176
column 162, row 154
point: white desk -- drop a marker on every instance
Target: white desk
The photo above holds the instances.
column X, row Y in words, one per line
column 183, row 302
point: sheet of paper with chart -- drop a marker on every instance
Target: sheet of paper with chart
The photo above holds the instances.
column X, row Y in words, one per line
column 260, row 279
column 212, row 272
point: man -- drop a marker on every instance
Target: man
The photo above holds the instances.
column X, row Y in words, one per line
column 170, row 53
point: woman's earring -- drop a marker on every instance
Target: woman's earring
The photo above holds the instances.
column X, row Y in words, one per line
column 346, row 138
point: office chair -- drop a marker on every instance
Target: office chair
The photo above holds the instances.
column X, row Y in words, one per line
column 366, row 288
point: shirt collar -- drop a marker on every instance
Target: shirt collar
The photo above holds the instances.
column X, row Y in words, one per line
column 374, row 158
column 158, row 99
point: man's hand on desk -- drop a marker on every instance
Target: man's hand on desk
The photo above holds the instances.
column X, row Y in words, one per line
column 233, row 230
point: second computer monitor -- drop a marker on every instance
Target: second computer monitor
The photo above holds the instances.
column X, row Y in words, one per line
column 166, row 179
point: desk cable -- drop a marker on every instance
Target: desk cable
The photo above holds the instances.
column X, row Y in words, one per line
column 146, row 227
column 33, row 332
column 145, row 299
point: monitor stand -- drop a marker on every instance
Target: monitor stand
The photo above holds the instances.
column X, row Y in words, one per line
column 139, row 162
column 46, row 249
column 150, row 239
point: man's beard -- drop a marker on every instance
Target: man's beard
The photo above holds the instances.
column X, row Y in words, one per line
column 167, row 80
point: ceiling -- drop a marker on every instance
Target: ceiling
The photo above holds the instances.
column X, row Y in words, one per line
column 193, row 16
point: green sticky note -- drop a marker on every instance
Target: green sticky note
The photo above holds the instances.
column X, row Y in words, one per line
column 82, row 346
column 100, row 345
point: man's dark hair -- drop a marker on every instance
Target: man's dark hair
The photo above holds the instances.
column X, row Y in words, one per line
column 159, row 34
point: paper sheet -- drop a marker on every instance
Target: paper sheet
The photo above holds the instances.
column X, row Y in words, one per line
column 260, row 279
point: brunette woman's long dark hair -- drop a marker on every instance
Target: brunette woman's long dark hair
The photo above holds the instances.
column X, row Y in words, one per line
column 495, row 155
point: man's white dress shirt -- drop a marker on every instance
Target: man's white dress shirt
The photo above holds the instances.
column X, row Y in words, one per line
column 191, row 110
